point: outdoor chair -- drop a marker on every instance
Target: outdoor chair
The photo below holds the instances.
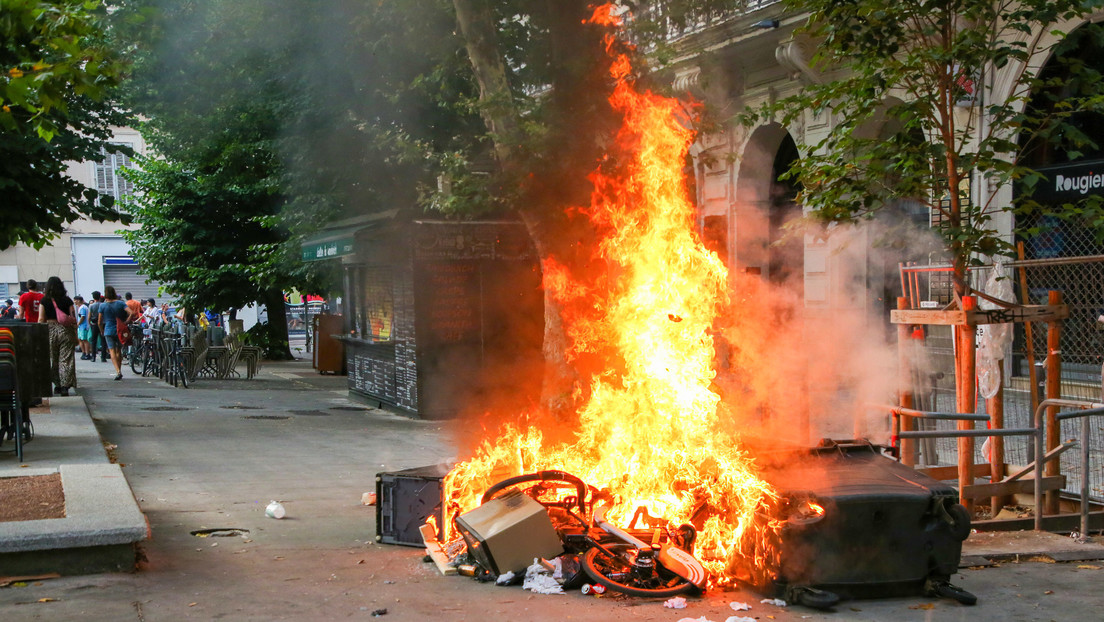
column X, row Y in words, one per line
column 228, row 364
column 195, row 353
column 12, row 423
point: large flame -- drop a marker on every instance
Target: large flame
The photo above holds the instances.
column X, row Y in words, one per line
column 648, row 429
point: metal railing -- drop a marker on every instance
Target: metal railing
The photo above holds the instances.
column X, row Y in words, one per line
column 1037, row 431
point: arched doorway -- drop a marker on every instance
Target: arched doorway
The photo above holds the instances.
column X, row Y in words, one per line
column 786, row 250
column 763, row 205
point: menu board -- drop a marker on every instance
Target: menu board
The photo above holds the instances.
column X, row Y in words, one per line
column 449, row 302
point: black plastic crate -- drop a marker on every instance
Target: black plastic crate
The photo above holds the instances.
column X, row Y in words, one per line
column 404, row 500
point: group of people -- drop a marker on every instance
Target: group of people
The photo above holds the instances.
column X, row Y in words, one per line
column 93, row 326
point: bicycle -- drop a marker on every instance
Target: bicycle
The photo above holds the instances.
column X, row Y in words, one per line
column 655, row 561
column 175, row 365
column 146, row 359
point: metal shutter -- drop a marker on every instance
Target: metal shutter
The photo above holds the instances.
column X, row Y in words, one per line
column 126, row 279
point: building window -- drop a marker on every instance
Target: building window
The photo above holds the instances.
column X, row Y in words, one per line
column 109, row 179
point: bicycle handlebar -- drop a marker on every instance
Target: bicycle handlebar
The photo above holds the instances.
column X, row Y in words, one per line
column 541, row 476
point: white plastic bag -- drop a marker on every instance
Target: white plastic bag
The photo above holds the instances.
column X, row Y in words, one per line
column 993, row 338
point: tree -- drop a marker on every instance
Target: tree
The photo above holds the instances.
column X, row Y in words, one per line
column 544, row 87
column 58, row 79
column 267, row 122
column 922, row 68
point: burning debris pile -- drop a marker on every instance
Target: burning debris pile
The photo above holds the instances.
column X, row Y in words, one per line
column 647, row 434
column 648, row 492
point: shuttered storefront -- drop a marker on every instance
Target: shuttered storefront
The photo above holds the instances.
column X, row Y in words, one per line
column 125, row 278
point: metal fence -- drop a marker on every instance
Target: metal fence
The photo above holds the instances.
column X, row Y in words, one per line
column 1081, row 281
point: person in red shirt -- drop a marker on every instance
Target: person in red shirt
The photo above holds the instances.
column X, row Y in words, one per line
column 29, row 301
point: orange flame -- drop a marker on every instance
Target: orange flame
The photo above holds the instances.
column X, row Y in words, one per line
column 648, row 430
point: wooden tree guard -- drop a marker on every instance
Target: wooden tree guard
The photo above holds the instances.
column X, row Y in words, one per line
column 1054, row 391
column 964, row 322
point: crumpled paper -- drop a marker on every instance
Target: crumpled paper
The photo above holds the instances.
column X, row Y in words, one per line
column 539, row 580
column 740, row 619
column 777, row 602
column 738, row 606
column 677, row 602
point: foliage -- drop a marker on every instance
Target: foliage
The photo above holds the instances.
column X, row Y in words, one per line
column 905, row 84
column 58, row 78
column 268, row 121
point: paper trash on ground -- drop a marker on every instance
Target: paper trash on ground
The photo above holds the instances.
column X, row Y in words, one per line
column 538, row 579
column 738, row 606
column 677, row 602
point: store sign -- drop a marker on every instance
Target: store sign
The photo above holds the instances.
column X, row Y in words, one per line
column 317, row 251
column 1070, row 182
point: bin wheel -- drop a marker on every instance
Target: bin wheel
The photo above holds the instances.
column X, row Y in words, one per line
column 960, row 517
column 943, row 589
column 813, row 598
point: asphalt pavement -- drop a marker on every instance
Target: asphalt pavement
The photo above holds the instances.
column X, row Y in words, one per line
column 212, row 456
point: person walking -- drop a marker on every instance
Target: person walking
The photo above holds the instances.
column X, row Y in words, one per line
column 10, row 311
column 97, row 344
column 84, row 330
column 112, row 310
column 134, row 305
column 30, row 302
column 57, row 310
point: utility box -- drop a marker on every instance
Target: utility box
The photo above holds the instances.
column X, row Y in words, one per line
column 506, row 533
column 329, row 353
column 404, row 500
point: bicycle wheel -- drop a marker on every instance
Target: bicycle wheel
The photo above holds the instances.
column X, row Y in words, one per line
column 140, row 361
column 618, row 572
column 182, row 370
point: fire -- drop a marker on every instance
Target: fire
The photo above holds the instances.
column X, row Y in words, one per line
column 648, row 428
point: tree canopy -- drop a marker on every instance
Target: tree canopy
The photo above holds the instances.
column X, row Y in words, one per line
column 58, row 78
column 908, row 86
column 268, row 121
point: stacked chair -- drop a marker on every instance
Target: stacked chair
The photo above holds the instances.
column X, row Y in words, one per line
column 14, row 423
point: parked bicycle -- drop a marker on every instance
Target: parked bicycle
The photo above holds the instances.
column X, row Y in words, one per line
column 175, row 364
column 145, row 359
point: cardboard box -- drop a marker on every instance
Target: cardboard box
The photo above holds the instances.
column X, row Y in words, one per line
column 507, row 532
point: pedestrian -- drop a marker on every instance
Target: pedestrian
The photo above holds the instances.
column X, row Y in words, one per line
column 134, row 306
column 9, row 311
column 30, row 302
column 97, row 344
column 57, row 310
column 111, row 311
column 84, row 330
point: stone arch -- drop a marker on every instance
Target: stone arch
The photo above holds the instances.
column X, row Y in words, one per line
column 762, row 204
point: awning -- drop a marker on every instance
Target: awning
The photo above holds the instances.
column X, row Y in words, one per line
column 339, row 239
column 329, row 244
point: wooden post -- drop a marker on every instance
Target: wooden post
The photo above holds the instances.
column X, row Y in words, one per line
column 1053, row 391
column 904, row 391
column 967, row 363
column 1029, row 337
column 995, row 406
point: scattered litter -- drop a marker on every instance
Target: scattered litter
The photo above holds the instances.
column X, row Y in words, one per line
column 275, row 509
column 389, row 582
column 677, row 602
column 538, row 579
column 47, row 600
column 923, row 606
column 740, row 619
column 368, row 498
column 736, row 606
column 777, row 602
column 379, row 612
column 701, row 619
column 505, row 578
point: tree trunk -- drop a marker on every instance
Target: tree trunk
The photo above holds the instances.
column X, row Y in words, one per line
column 477, row 26
column 277, row 322
column 549, row 191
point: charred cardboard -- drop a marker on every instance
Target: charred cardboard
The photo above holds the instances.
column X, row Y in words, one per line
column 507, row 532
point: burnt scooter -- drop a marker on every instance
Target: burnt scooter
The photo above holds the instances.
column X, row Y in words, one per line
column 649, row 557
